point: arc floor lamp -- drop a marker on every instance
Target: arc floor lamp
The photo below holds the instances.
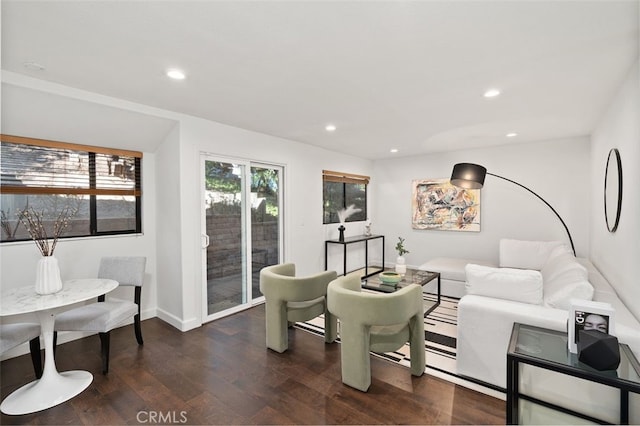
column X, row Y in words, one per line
column 471, row 176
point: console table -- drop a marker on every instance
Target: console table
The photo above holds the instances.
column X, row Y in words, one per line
column 542, row 354
column 352, row 240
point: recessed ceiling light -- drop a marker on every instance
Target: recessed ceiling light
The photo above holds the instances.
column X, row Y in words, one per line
column 175, row 74
column 512, row 135
column 330, row 128
column 393, row 150
column 491, row 93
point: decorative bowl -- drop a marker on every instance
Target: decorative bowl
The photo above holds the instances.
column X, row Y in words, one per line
column 389, row 277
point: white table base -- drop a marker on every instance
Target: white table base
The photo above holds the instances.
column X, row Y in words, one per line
column 53, row 388
column 46, row 392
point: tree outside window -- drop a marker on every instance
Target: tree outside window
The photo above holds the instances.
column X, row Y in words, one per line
column 341, row 190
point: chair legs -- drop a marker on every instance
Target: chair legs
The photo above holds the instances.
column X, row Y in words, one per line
column 105, row 343
column 330, row 327
column 355, row 357
column 416, row 345
column 105, row 339
column 136, row 319
column 138, row 330
column 36, row 358
column 276, row 326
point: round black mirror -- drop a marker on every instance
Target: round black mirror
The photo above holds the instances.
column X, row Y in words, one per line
column 613, row 190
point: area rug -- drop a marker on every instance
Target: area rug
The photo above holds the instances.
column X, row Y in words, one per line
column 440, row 329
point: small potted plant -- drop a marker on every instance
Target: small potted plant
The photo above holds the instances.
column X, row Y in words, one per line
column 401, row 266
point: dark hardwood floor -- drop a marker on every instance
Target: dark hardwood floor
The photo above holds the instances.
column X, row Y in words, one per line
column 222, row 373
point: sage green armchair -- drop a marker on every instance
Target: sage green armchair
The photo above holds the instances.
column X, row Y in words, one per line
column 377, row 322
column 289, row 299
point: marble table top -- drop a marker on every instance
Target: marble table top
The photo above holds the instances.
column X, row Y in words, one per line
column 22, row 300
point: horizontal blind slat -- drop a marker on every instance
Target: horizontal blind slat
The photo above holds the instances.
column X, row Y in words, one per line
column 60, row 168
column 67, row 145
column 6, row 189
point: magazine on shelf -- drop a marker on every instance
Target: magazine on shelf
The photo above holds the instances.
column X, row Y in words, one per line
column 589, row 315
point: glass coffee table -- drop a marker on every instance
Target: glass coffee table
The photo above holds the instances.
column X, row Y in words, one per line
column 412, row 276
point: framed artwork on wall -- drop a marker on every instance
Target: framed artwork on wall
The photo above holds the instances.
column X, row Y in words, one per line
column 438, row 205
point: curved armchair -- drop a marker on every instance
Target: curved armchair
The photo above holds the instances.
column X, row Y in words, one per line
column 375, row 322
column 289, row 299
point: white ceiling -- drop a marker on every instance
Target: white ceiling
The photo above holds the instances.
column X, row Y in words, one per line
column 389, row 74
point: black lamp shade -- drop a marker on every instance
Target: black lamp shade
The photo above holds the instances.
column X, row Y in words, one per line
column 468, row 175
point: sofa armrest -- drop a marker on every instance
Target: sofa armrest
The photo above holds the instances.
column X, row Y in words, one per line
column 484, row 329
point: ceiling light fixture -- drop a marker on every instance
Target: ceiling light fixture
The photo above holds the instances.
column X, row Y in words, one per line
column 330, row 128
column 175, row 74
column 491, row 93
column 511, row 135
column 393, row 150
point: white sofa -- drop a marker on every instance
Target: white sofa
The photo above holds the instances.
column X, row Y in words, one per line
column 487, row 313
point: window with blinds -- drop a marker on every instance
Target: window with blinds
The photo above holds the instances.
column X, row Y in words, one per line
column 102, row 186
column 340, row 190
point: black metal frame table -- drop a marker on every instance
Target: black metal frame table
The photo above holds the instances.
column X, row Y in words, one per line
column 412, row 276
column 547, row 349
column 352, row 240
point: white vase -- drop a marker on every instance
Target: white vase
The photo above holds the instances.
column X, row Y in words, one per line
column 401, row 267
column 48, row 276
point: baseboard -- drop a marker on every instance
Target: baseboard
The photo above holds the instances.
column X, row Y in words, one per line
column 176, row 322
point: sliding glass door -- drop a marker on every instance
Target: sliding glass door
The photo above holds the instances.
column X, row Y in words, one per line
column 241, row 231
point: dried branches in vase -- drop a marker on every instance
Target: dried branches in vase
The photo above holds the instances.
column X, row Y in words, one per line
column 8, row 230
column 343, row 215
column 33, row 222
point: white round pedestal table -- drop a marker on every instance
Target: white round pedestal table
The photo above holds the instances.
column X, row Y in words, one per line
column 53, row 387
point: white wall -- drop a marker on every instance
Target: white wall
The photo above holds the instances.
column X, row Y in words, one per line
column 616, row 255
column 556, row 170
column 304, row 231
column 171, row 203
column 80, row 257
column 169, row 247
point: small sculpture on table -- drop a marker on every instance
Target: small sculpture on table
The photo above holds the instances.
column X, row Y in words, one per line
column 367, row 228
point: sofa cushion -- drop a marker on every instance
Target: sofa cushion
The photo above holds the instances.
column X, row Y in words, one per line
column 523, row 254
column 562, row 265
column 564, row 278
column 559, row 296
column 451, row 268
column 519, row 285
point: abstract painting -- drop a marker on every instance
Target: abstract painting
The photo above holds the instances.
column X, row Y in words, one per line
column 438, row 205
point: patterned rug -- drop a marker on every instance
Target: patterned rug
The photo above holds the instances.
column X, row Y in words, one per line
column 440, row 329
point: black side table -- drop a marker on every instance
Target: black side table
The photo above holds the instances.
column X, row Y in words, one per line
column 547, row 350
column 352, row 240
